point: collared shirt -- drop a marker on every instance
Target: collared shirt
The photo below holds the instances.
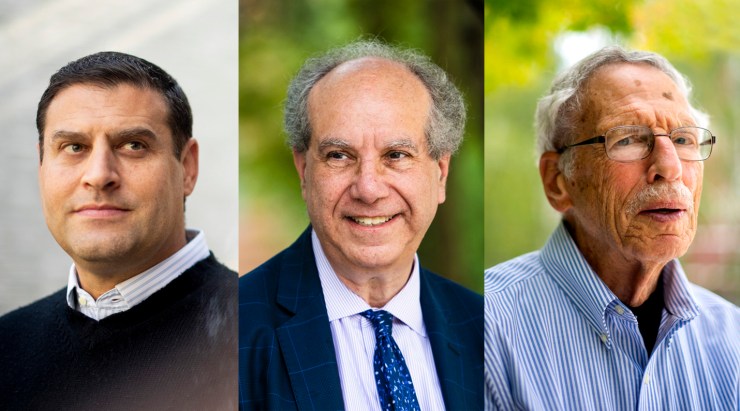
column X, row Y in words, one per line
column 139, row 287
column 557, row 338
column 354, row 339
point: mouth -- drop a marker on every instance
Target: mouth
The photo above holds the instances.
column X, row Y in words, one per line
column 664, row 214
column 371, row 221
column 100, row 210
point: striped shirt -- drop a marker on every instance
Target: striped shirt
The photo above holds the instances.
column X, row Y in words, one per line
column 558, row 339
column 139, row 287
column 354, row 339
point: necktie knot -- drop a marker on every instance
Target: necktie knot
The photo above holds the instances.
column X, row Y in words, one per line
column 382, row 321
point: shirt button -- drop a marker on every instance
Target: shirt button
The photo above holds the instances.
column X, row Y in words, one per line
column 603, row 337
column 646, row 380
column 82, row 301
column 620, row 310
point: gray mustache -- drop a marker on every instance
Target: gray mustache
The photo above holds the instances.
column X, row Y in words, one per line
column 662, row 192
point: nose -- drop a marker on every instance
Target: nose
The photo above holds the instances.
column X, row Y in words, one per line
column 101, row 169
column 369, row 182
column 665, row 164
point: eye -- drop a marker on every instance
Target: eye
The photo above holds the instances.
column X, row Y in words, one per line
column 684, row 140
column 73, row 148
column 397, row 155
column 134, row 145
column 336, row 155
column 625, row 141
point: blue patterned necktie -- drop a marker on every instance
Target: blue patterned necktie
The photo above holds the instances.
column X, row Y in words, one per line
column 392, row 378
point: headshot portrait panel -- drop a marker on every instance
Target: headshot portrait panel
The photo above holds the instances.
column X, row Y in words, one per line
column 611, row 226
column 355, row 128
column 119, row 239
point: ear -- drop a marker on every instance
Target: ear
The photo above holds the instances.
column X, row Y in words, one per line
column 444, row 169
column 189, row 161
column 553, row 181
column 299, row 160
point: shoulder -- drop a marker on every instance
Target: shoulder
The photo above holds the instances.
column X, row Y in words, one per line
column 34, row 324
column 449, row 290
column 34, row 313
column 513, row 273
column 719, row 315
column 261, row 283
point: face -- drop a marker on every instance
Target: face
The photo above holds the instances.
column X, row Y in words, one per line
column 645, row 210
column 112, row 190
column 370, row 186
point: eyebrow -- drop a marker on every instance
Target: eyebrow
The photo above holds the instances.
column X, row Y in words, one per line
column 120, row 134
column 339, row 143
column 402, row 143
column 333, row 142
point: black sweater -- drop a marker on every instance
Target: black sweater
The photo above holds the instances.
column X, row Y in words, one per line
column 177, row 350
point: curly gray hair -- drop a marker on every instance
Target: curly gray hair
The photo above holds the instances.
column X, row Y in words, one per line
column 446, row 124
column 557, row 111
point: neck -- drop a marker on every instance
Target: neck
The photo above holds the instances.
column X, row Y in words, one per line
column 375, row 287
column 632, row 281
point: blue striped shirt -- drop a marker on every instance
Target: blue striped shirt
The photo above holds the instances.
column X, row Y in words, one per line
column 558, row 339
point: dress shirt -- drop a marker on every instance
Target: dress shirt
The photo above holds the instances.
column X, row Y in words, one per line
column 139, row 287
column 557, row 338
column 354, row 339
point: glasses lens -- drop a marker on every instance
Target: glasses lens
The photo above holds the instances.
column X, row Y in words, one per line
column 628, row 143
column 692, row 143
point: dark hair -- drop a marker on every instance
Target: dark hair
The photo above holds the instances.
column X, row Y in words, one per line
column 109, row 69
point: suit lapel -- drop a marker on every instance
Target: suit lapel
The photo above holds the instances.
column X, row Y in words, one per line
column 445, row 341
column 305, row 339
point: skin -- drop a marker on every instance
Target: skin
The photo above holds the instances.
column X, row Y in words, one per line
column 368, row 161
column 627, row 239
column 112, row 189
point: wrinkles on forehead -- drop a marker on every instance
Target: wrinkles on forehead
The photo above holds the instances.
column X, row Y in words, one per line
column 632, row 94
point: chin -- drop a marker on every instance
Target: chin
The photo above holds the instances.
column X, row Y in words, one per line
column 661, row 249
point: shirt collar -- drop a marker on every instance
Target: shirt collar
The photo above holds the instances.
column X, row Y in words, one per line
column 141, row 286
column 342, row 302
column 570, row 270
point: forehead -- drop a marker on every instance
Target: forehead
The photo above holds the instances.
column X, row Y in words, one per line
column 84, row 105
column 628, row 93
column 368, row 93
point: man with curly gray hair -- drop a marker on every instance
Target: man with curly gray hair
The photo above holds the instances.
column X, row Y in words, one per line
column 603, row 317
column 346, row 317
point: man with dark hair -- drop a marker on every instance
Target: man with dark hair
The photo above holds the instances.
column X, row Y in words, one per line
column 345, row 318
column 148, row 318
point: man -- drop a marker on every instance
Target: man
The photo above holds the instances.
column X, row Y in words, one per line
column 603, row 316
column 372, row 130
column 147, row 320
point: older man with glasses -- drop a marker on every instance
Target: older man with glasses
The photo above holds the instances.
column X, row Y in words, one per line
column 603, row 316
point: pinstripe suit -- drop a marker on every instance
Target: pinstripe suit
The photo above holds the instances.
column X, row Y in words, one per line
column 286, row 352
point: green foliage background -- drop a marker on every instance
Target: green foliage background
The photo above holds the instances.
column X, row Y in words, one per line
column 702, row 39
column 275, row 38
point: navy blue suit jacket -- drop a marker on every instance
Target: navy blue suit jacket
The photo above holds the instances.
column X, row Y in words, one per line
column 286, row 352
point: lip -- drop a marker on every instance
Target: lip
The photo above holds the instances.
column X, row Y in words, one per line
column 100, row 210
column 664, row 211
column 371, row 221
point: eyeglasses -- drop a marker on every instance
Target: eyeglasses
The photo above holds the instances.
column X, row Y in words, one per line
column 632, row 143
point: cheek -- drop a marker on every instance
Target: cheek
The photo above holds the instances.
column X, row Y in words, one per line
column 323, row 190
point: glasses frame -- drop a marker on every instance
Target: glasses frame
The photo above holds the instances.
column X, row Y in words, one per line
column 602, row 139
